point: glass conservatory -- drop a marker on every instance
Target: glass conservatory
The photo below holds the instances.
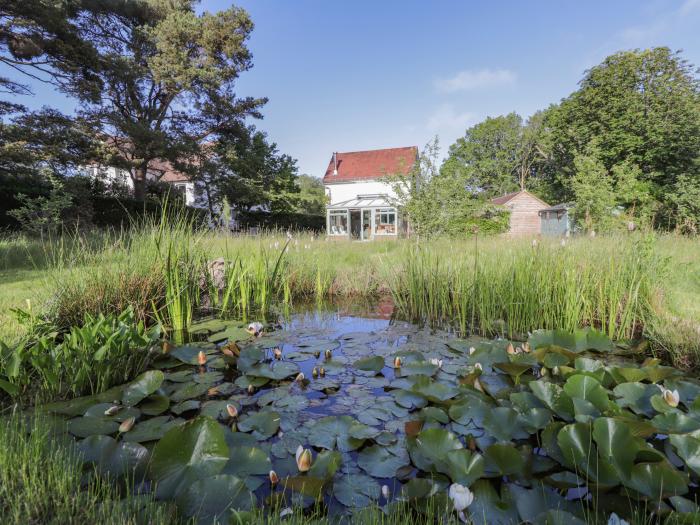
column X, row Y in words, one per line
column 364, row 218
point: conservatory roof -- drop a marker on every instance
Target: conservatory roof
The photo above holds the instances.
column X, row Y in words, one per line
column 362, row 201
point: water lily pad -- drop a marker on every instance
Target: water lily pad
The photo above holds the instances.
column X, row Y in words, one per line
column 154, row 405
column 554, row 397
column 232, row 333
column 186, row 354
column 325, row 465
column 122, row 414
column 370, row 364
column 92, row 426
column 261, row 424
column 577, row 341
column 433, row 390
column 379, row 462
column 337, row 432
column 247, row 461
column 429, row 449
column 588, row 388
column 190, row 404
column 464, row 466
column 212, row 499
column 151, row 429
column 112, row 457
column 188, row 391
column 504, row 460
column 277, row 371
column 356, row 490
column 142, row 387
column 189, row 452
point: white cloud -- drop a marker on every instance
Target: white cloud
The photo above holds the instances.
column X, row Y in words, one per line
column 662, row 25
column 447, row 119
column 471, row 79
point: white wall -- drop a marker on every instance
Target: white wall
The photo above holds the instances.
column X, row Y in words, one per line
column 350, row 190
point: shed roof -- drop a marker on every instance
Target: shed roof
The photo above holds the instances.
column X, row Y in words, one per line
column 372, row 164
column 564, row 206
column 505, row 199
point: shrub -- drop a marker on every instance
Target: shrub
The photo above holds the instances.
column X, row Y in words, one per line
column 106, row 350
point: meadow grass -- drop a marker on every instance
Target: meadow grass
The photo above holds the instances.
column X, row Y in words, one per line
column 626, row 286
column 42, row 480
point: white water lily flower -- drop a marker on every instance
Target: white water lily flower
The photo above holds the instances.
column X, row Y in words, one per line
column 299, row 377
column 462, row 517
column 436, row 362
column 478, row 366
column 232, row 410
column 461, row 496
column 672, row 398
column 286, row 512
column 471, row 350
column 255, row 328
column 385, row 491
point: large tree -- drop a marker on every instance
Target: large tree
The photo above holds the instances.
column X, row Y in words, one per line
column 161, row 77
column 498, row 155
column 642, row 110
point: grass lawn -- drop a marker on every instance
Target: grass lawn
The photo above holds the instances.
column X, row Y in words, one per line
column 17, row 286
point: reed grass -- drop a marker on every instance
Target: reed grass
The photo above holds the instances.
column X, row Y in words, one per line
column 625, row 285
column 520, row 287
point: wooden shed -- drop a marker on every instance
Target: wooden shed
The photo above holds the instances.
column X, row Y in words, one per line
column 524, row 212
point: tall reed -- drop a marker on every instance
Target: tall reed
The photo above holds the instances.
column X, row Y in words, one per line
column 523, row 287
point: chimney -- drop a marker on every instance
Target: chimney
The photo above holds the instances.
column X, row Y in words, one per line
column 335, row 163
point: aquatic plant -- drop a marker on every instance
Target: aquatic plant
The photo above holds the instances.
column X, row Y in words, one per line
column 566, row 426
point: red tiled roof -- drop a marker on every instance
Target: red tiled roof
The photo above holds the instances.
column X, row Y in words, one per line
column 374, row 164
column 169, row 174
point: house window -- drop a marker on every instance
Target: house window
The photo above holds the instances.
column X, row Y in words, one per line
column 385, row 221
column 338, row 222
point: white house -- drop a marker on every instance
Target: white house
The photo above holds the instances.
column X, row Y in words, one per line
column 158, row 171
column 360, row 193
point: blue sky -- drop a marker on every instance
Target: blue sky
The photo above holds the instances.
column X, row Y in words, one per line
column 345, row 76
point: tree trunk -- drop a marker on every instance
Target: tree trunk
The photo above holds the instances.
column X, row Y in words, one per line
column 139, row 180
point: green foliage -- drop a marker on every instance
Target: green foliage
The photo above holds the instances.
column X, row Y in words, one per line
column 441, row 202
column 105, row 350
column 641, row 108
column 42, row 215
column 593, row 193
column 43, row 479
column 495, row 156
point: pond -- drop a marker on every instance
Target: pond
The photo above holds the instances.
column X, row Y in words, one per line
column 358, row 411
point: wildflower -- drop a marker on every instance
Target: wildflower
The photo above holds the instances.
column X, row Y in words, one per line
column 672, row 398
column 461, row 496
column 534, row 243
column 304, row 459
column 385, row 491
column 289, row 234
column 202, row 358
column 112, row 410
column 127, row 425
column 232, row 410
column 397, row 362
column 274, row 478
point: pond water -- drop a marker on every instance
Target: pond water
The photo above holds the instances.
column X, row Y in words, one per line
column 385, row 403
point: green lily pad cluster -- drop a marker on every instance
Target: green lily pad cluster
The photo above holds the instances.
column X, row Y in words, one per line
column 544, row 431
